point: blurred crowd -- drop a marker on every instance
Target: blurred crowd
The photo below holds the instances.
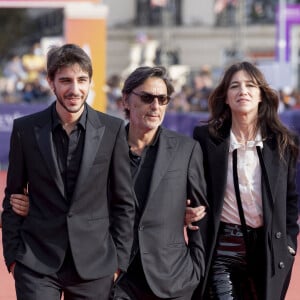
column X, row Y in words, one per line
column 23, row 78
column 193, row 95
column 189, row 97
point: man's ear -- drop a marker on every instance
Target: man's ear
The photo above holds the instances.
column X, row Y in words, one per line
column 50, row 82
column 125, row 101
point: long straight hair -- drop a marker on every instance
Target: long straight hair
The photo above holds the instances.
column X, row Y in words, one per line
column 268, row 120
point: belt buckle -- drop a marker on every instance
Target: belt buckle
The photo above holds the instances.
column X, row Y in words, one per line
column 236, row 231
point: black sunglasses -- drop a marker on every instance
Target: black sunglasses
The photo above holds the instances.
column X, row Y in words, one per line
column 149, row 98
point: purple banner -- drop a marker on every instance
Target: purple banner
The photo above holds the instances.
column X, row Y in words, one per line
column 9, row 112
column 180, row 122
column 184, row 122
column 292, row 17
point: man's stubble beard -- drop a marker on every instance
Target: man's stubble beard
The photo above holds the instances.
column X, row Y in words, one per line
column 61, row 102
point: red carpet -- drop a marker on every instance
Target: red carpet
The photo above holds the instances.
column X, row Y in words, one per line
column 7, row 291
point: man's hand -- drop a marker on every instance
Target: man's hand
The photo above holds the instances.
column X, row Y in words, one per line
column 193, row 214
column 20, row 204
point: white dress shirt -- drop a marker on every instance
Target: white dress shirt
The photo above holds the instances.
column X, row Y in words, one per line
column 249, row 175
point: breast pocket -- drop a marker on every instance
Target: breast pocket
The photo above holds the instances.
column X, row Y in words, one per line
column 101, row 158
column 176, row 173
column 177, row 245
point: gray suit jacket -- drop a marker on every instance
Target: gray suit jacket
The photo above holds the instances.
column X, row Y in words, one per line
column 98, row 228
column 172, row 268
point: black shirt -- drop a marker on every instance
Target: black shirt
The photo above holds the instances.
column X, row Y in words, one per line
column 68, row 150
column 141, row 171
column 142, row 168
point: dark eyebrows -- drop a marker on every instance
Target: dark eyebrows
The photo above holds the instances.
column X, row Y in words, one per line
column 247, row 81
column 63, row 78
column 66, row 78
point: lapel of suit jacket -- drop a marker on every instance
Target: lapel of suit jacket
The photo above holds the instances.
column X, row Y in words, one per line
column 93, row 135
column 271, row 160
column 43, row 134
column 165, row 154
column 218, row 152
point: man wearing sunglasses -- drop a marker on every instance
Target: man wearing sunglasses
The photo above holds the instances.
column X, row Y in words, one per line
column 166, row 169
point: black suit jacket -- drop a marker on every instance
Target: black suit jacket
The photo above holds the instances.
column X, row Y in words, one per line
column 280, row 212
column 172, row 268
column 98, row 228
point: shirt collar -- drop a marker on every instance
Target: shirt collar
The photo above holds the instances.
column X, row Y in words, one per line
column 234, row 144
column 154, row 142
column 56, row 120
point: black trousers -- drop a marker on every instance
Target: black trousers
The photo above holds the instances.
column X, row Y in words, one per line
column 233, row 274
column 31, row 285
column 133, row 285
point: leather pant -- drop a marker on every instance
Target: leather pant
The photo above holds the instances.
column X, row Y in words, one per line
column 233, row 276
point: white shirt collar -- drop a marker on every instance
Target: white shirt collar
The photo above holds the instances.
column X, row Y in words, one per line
column 234, row 144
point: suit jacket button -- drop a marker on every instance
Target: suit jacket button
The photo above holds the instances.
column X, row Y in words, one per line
column 141, row 228
column 70, row 215
column 278, row 235
column 281, row 265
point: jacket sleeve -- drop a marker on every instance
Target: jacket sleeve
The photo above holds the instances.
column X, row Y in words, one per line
column 197, row 195
column 292, row 203
column 16, row 182
column 122, row 200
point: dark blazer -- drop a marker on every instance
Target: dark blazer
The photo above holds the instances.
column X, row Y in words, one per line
column 172, row 268
column 280, row 212
column 98, row 228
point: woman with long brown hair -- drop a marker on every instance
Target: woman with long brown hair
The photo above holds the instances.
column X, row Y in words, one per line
column 250, row 161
